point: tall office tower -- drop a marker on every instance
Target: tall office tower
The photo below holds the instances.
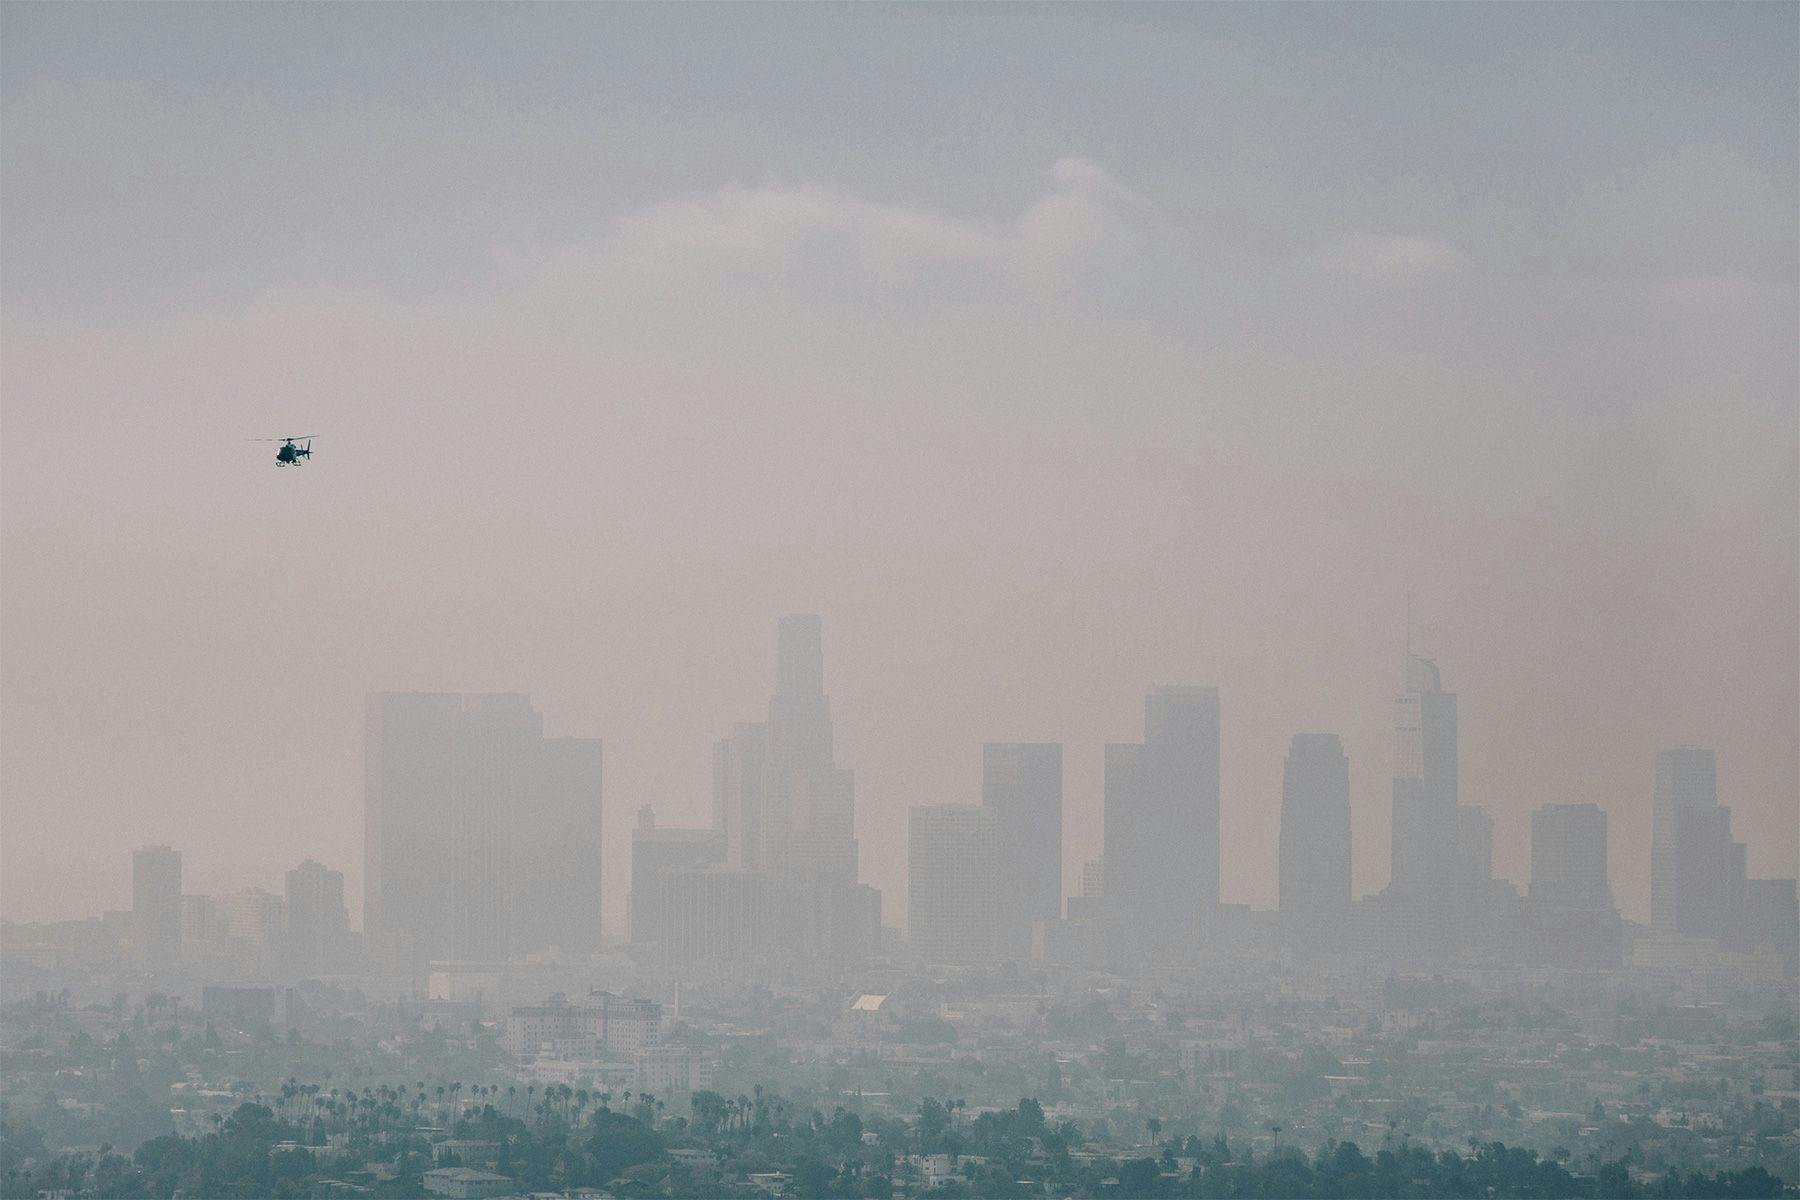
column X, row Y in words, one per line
column 1772, row 916
column 156, row 904
column 1021, row 782
column 556, row 851
column 318, row 925
column 1568, row 856
column 654, row 851
column 1315, row 839
column 1425, row 818
column 1093, row 878
column 808, row 803
column 201, row 927
column 740, row 767
column 1161, row 824
column 496, row 759
column 254, row 920
column 784, row 815
column 464, row 800
column 718, row 915
column 1474, row 846
column 1696, row 869
column 953, row 876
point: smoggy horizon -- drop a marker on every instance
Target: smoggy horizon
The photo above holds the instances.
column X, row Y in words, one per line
column 1047, row 360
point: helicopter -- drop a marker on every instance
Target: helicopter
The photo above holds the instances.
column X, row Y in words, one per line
column 290, row 454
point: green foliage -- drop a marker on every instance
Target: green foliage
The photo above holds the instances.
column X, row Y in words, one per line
column 1014, row 1152
column 620, row 1142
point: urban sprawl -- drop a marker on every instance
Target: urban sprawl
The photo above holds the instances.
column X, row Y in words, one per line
column 761, row 1033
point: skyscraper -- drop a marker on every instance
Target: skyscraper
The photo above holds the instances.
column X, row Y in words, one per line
column 1425, row 820
column 1161, row 824
column 1093, row 878
column 953, row 875
column 1568, row 856
column 1568, row 917
column 653, row 852
column 254, row 920
column 318, row 925
column 556, row 849
column 1315, row 838
column 1021, row 783
column 808, row 803
column 482, row 839
column 156, row 904
column 784, row 821
column 740, row 767
column 1696, row 869
column 1772, row 917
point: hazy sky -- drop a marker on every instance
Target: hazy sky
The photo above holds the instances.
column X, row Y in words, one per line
column 1048, row 352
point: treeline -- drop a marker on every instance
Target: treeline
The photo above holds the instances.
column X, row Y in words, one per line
column 255, row 1152
column 1343, row 1170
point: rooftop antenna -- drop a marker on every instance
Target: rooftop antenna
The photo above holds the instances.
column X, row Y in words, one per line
column 1409, row 649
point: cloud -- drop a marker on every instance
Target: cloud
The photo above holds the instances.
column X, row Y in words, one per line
column 1395, row 257
column 819, row 235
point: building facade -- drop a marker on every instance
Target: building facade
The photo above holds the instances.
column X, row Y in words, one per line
column 1161, row 825
column 654, row 851
column 1021, row 783
column 953, row 876
column 1696, row 869
column 318, row 924
column 481, row 837
column 1314, row 861
column 156, row 904
column 1568, row 856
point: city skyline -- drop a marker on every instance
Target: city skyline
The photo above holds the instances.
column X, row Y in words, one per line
column 731, row 838
column 1164, row 375
column 1685, row 779
column 899, row 600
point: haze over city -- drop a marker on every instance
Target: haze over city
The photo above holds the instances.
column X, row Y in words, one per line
column 1164, row 563
column 1041, row 391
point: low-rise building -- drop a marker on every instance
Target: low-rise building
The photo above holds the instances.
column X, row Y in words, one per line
column 466, row 1182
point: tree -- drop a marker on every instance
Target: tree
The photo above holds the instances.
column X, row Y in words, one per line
column 619, row 1142
column 1139, row 1177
